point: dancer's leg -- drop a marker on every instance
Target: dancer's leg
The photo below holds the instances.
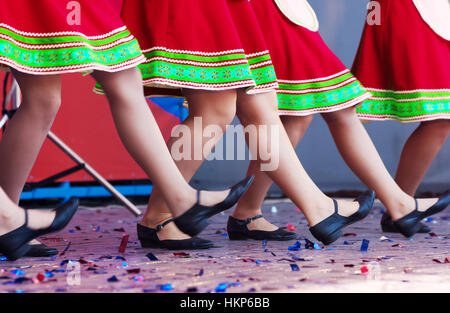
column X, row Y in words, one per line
column 418, row 153
column 141, row 136
column 27, row 130
column 250, row 203
column 214, row 108
column 361, row 156
column 13, row 217
column 290, row 176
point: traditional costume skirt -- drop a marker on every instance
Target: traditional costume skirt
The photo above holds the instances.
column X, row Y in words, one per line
column 59, row 36
column 311, row 78
column 200, row 44
column 405, row 62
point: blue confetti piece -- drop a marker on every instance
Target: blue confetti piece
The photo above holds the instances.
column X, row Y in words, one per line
column 364, row 245
column 257, row 262
column 49, row 274
column 3, row 258
column 120, row 258
column 71, row 231
column 221, row 288
column 19, row 291
column 151, row 257
column 411, row 239
column 295, row 247
column 317, row 247
column 148, row 290
column 200, row 273
column 346, row 243
column 295, row 268
column 167, row 287
column 264, row 244
column 429, row 219
column 309, row 244
column 18, row 272
column 224, row 235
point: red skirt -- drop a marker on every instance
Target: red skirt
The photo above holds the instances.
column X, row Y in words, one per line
column 311, row 78
column 50, row 37
column 198, row 44
column 405, row 65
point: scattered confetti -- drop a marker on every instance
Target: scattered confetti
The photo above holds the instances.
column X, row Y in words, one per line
column 295, row 247
column 290, row 227
column 364, row 245
column 294, row 267
column 123, row 243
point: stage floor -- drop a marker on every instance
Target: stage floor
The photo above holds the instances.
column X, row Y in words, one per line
column 89, row 260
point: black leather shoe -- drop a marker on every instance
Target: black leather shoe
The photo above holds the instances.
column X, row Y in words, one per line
column 387, row 225
column 194, row 220
column 329, row 230
column 41, row 250
column 14, row 244
column 237, row 230
column 410, row 224
column 149, row 239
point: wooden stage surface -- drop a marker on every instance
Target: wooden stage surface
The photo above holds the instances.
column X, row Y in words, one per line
column 89, row 260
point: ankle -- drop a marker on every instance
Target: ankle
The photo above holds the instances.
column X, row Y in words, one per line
column 154, row 219
column 242, row 214
column 401, row 207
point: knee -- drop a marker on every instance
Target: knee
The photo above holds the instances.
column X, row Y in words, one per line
column 222, row 115
column 43, row 104
column 340, row 117
column 439, row 129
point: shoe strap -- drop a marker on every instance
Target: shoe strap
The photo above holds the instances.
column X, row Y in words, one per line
column 159, row 227
column 336, row 209
column 251, row 219
column 417, row 204
column 198, row 196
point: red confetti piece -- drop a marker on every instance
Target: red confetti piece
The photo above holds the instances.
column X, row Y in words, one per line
column 181, row 254
column 364, row 269
column 290, row 227
column 121, row 229
column 40, row 277
column 124, row 242
column 447, row 260
column 349, row 234
column 349, row 265
column 433, row 234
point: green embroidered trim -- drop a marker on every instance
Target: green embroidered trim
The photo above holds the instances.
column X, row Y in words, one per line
column 317, row 100
column 64, row 39
column 204, row 71
column 313, row 85
column 386, row 105
column 40, row 59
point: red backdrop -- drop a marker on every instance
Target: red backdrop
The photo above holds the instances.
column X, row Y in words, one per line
column 84, row 122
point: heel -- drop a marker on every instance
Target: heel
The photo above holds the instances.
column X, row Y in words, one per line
column 330, row 238
column 236, row 236
column 18, row 253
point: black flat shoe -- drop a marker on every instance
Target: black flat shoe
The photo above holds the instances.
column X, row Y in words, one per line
column 410, row 224
column 237, row 230
column 329, row 230
column 387, row 225
column 194, row 220
column 149, row 239
column 14, row 244
column 41, row 250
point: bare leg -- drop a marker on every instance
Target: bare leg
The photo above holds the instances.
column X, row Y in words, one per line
column 216, row 108
column 27, row 130
column 418, row 153
column 361, row 156
column 290, row 176
column 250, row 204
column 141, row 136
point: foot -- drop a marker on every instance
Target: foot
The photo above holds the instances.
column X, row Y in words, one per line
column 238, row 229
column 330, row 229
column 345, row 208
column 37, row 219
column 387, row 225
column 195, row 219
column 169, row 231
column 256, row 224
